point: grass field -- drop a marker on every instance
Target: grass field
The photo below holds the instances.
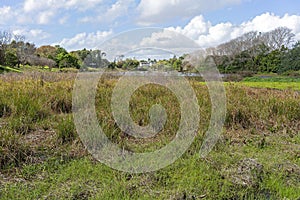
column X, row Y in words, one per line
column 281, row 83
column 41, row 156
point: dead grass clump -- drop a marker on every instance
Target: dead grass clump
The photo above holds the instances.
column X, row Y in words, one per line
column 12, row 151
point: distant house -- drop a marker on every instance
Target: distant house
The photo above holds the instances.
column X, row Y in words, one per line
column 144, row 64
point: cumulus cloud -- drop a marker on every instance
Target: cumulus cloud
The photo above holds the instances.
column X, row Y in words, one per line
column 116, row 10
column 45, row 17
column 6, row 13
column 32, row 34
column 158, row 11
column 208, row 35
column 85, row 40
column 47, row 11
column 171, row 41
column 37, row 5
column 268, row 21
column 198, row 31
column 43, row 12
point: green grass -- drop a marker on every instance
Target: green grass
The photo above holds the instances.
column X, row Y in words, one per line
column 273, row 82
column 272, row 79
column 43, row 158
column 272, row 85
column 8, row 69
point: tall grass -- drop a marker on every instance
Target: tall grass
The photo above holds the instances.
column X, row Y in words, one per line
column 262, row 126
column 12, row 151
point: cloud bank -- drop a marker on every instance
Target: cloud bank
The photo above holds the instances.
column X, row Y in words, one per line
column 208, row 35
column 151, row 12
column 203, row 32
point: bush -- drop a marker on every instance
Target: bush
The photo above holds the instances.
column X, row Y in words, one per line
column 292, row 73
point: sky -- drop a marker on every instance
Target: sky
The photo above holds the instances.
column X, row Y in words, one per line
column 78, row 24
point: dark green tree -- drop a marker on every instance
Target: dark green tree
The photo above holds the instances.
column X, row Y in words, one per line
column 11, row 58
column 291, row 59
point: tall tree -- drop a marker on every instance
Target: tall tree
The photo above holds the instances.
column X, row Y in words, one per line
column 5, row 39
column 46, row 51
column 291, row 60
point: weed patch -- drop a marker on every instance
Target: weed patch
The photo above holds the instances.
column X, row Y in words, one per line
column 66, row 130
column 12, row 152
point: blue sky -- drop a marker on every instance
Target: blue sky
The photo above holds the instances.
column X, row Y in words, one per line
column 75, row 24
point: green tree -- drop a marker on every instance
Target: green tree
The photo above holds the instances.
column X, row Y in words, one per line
column 177, row 65
column 291, row 59
column 67, row 61
column 130, row 64
column 47, row 51
column 271, row 62
column 11, row 58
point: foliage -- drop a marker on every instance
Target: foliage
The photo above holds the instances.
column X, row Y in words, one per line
column 253, row 52
column 11, row 58
column 291, row 60
column 46, row 52
column 127, row 64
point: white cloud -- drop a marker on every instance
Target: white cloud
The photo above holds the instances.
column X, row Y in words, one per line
column 38, row 5
column 44, row 11
column 85, row 40
column 63, row 19
column 268, row 21
column 86, row 19
column 208, row 35
column 194, row 28
column 162, row 10
column 45, row 17
column 116, row 10
column 170, row 41
column 33, row 5
column 32, row 35
column 82, row 5
column 6, row 13
column 167, row 39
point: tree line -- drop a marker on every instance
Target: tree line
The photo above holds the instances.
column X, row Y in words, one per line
column 15, row 51
column 275, row 51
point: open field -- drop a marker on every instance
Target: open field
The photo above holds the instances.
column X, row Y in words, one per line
column 41, row 156
column 281, row 83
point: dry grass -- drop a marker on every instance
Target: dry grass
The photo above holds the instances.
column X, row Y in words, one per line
column 39, row 141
